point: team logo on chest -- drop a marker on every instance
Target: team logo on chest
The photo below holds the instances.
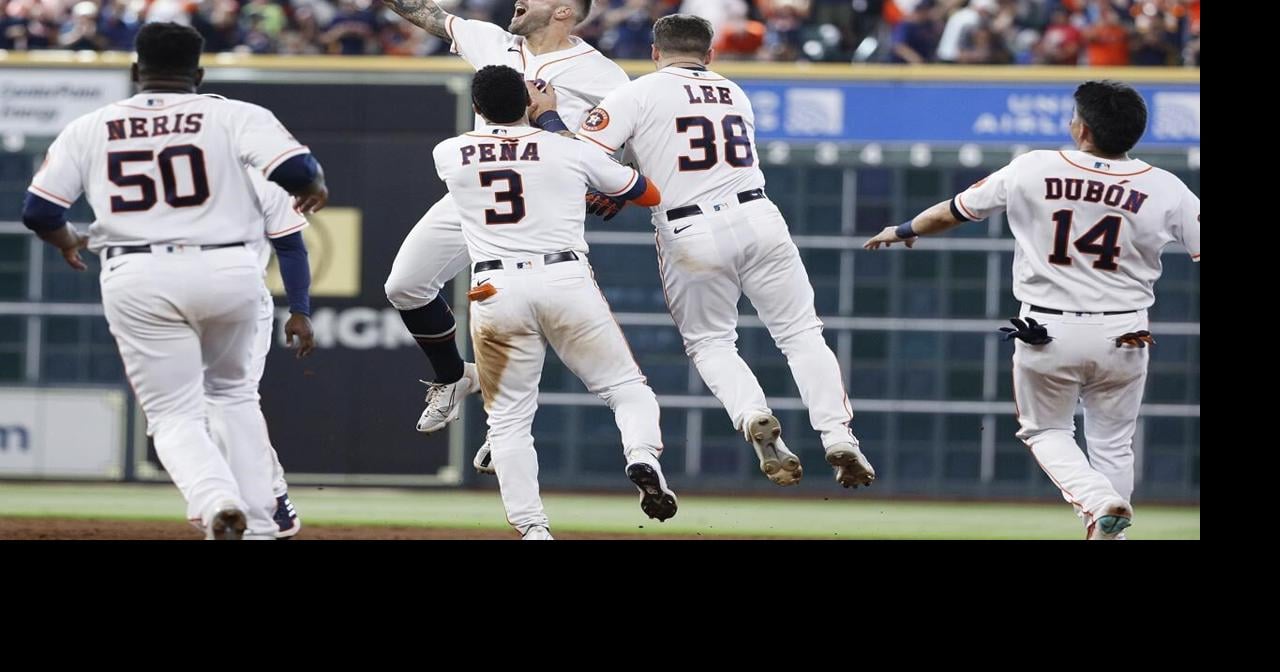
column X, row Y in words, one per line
column 597, row 120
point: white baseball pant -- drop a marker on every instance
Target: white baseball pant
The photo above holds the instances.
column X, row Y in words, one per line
column 707, row 263
column 258, row 365
column 1082, row 363
column 557, row 304
column 430, row 256
column 184, row 320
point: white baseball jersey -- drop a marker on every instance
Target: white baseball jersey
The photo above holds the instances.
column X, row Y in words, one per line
column 1089, row 231
column 434, row 250
column 167, row 168
column 278, row 211
column 279, row 215
column 521, row 190
column 581, row 75
column 692, row 132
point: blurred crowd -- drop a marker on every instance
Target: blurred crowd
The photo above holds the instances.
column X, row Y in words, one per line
column 1053, row 32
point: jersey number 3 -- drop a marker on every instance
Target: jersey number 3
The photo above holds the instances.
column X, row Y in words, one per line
column 147, row 187
column 514, row 195
column 1100, row 241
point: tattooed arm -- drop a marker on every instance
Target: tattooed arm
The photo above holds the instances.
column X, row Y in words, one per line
column 425, row 14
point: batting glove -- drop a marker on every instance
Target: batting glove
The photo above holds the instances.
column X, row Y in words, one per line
column 1030, row 332
column 1139, row 339
column 602, row 205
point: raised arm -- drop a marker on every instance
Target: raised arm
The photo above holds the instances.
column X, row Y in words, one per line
column 425, row 14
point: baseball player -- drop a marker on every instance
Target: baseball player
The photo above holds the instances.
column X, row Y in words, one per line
column 521, row 194
column 164, row 172
column 284, row 226
column 719, row 236
column 1089, row 227
column 539, row 44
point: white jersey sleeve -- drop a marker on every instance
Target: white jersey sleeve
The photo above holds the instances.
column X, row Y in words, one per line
column 277, row 207
column 479, row 43
column 582, row 82
column 61, row 179
column 613, row 122
column 440, row 158
column 262, row 141
column 605, row 174
column 277, row 212
column 692, row 132
column 1186, row 224
column 987, row 196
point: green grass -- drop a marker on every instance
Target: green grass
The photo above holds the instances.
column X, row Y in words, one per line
column 849, row 517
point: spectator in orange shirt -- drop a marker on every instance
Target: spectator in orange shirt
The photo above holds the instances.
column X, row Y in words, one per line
column 1107, row 41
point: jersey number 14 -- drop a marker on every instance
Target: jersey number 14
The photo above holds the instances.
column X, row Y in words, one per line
column 1101, row 241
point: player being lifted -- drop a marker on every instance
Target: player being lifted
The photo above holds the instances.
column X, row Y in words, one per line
column 1089, row 226
column 539, row 44
column 719, row 236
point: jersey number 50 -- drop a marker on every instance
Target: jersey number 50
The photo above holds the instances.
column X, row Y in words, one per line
column 147, row 187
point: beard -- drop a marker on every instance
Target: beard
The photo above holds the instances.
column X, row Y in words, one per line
column 528, row 23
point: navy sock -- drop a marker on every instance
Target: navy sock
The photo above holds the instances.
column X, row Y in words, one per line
column 433, row 328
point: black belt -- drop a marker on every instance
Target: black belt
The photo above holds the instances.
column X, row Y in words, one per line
column 118, row 250
column 691, row 210
column 1055, row 311
column 553, row 258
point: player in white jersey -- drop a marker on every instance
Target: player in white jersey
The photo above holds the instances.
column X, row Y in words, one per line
column 719, row 237
column 539, row 44
column 1089, row 226
column 164, row 172
column 521, row 194
column 284, row 226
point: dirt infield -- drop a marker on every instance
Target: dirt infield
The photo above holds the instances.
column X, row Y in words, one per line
column 48, row 529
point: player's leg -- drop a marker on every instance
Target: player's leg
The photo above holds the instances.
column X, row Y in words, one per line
column 286, row 517
column 700, row 280
column 432, row 254
column 1046, row 388
column 161, row 354
column 257, row 366
column 1112, row 402
column 580, row 327
column 775, row 280
column 509, row 357
column 228, row 315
